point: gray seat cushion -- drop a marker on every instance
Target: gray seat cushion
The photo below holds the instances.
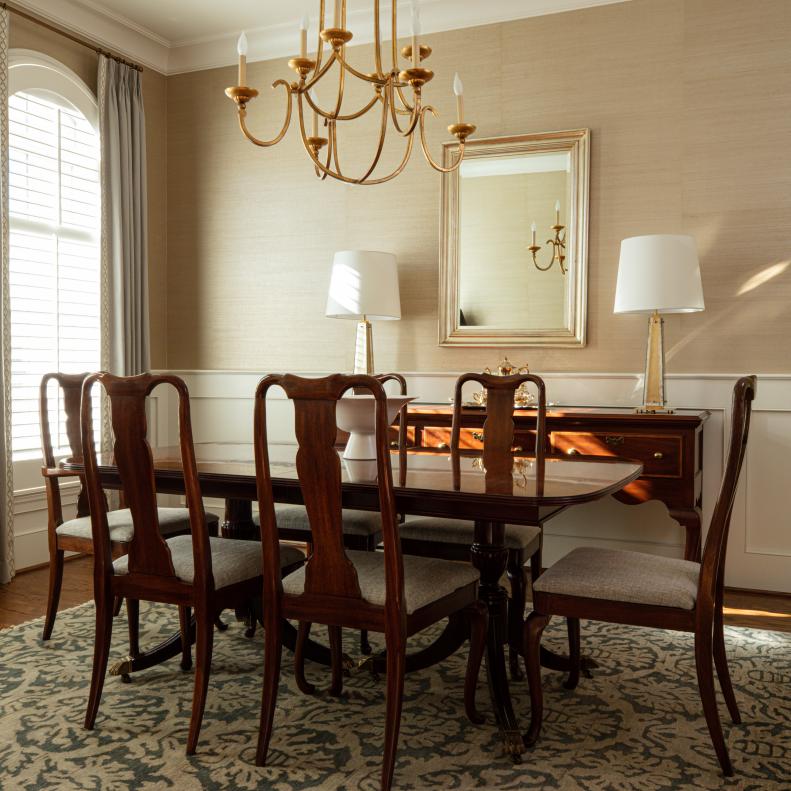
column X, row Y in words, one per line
column 359, row 523
column 232, row 560
column 171, row 520
column 426, row 580
column 617, row 575
column 459, row 531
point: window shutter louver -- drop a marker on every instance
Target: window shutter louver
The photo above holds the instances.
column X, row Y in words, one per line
column 54, row 202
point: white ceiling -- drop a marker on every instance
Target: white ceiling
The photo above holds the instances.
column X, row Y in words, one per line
column 174, row 36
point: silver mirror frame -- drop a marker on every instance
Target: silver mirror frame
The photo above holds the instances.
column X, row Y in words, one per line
column 577, row 143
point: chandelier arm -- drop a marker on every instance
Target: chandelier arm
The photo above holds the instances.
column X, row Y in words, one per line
column 327, row 170
column 382, row 136
column 378, row 40
column 350, row 117
column 266, row 143
column 334, row 136
column 318, row 74
column 320, row 45
column 376, row 79
column 407, row 106
column 341, row 75
column 394, row 36
column 414, row 113
column 424, row 145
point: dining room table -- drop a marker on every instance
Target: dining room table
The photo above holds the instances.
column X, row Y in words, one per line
column 515, row 490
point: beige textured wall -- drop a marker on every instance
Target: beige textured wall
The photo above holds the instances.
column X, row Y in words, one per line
column 83, row 61
column 689, row 103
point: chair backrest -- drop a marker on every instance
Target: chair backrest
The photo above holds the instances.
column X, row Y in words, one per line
column 498, row 428
column 713, row 567
column 71, row 389
column 149, row 554
column 328, row 570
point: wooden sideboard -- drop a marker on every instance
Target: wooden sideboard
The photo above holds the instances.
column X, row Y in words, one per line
column 669, row 446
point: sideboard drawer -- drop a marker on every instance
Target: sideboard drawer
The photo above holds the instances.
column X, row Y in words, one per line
column 472, row 439
column 660, row 455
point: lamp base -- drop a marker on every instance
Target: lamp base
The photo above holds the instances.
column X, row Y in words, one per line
column 364, row 349
column 654, row 384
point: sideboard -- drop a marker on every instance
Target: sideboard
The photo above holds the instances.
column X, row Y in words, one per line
column 669, row 446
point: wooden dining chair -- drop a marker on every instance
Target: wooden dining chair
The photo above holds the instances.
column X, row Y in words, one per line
column 653, row 591
column 195, row 571
column 74, row 535
column 451, row 539
column 379, row 591
column 362, row 530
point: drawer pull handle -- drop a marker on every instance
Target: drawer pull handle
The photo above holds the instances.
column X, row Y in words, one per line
column 659, row 455
column 443, row 446
column 572, row 452
column 614, row 440
column 518, row 448
column 394, row 443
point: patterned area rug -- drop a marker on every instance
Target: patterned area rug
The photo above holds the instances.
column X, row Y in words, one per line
column 636, row 725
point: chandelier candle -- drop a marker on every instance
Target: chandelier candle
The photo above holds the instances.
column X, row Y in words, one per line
column 394, row 93
column 458, row 89
column 415, row 34
column 303, row 37
column 241, row 48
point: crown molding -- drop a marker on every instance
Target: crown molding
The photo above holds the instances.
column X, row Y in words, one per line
column 116, row 32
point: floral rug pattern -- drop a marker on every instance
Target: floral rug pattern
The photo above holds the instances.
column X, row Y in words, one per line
column 637, row 724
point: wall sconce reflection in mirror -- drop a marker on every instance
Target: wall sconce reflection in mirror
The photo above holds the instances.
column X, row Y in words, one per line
column 558, row 244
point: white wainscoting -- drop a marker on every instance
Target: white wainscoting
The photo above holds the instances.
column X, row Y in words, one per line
column 759, row 555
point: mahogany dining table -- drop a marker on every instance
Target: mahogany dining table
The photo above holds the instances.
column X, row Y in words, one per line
column 521, row 490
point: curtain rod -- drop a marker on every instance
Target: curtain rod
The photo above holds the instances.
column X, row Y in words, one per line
column 76, row 39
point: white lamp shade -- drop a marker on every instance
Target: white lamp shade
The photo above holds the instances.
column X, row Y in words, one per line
column 364, row 283
column 659, row 272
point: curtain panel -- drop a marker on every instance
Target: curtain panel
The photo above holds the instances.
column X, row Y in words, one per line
column 7, row 482
column 125, row 327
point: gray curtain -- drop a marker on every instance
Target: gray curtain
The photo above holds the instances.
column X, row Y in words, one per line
column 125, row 329
column 7, row 481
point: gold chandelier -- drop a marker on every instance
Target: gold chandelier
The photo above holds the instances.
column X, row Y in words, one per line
column 406, row 116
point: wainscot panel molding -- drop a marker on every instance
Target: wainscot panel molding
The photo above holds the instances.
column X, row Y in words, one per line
column 30, row 522
column 759, row 555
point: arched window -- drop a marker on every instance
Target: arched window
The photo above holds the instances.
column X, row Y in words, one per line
column 55, row 218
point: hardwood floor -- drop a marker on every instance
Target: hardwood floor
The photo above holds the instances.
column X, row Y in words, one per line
column 25, row 598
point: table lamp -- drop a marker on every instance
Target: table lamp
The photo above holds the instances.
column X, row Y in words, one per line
column 658, row 274
column 364, row 286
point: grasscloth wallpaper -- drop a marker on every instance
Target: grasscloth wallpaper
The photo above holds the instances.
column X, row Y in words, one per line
column 689, row 103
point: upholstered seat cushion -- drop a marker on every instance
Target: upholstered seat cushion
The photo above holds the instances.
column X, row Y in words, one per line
column 359, row 523
column 617, row 575
column 459, row 531
column 232, row 560
column 171, row 520
column 426, row 580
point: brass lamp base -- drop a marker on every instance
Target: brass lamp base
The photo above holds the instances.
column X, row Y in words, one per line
column 364, row 349
column 654, row 384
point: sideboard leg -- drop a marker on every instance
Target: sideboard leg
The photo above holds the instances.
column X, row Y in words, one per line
column 690, row 520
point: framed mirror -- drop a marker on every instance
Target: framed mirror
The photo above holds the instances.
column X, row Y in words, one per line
column 513, row 257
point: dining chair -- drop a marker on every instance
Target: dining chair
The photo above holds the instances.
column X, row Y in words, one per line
column 451, row 539
column 657, row 592
column 196, row 571
column 362, row 530
column 74, row 535
column 379, row 591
